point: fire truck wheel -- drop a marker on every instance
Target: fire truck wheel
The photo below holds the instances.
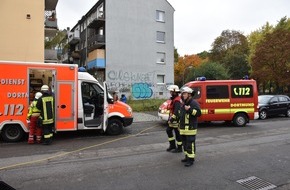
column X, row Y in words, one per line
column 115, row 127
column 263, row 114
column 12, row 133
column 240, row 120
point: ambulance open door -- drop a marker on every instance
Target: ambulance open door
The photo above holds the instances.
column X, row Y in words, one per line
column 106, row 107
column 65, row 106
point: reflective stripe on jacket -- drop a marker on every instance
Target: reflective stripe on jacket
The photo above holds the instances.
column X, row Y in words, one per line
column 46, row 105
column 33, row 111
column 174, row 112
column 188, row 119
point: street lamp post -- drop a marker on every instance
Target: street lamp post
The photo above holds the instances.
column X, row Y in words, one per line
column 184, row 73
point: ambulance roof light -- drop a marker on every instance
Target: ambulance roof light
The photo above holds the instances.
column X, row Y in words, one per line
column 201, row 78
column 82, row 69
column 246, row 77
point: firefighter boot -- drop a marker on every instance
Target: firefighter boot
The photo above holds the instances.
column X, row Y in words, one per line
column 185, row 159
column 172, row 146
column 31, row 139
column 178, row 149
column 189, row 162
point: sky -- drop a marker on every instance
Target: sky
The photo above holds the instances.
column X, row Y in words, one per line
column 197, row 23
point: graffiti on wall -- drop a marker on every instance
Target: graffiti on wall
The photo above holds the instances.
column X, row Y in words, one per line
column 142, row 90
column 138, row 85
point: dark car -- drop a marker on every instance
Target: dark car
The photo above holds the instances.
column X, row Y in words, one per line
column 273, row 105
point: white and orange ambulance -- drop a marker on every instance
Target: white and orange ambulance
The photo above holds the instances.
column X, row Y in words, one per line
column 223, row 100
column 81, row 102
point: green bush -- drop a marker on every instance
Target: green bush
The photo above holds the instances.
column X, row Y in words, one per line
column 145, row 105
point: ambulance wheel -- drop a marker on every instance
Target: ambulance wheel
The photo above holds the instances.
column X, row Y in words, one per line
column 240, row 120
column 115, row 127
column 12, row 133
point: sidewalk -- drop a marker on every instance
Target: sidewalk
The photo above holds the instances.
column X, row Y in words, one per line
column 145, row 116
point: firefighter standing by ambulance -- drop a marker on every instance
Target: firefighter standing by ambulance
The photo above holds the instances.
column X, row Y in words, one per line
column 46, row 105
column 32, row 116
column 189, row 112
column 173, row 120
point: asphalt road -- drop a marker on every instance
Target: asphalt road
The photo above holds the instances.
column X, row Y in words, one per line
column 138, row 160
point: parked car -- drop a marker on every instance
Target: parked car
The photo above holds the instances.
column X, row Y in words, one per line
column 273, row 105
column 163, row 111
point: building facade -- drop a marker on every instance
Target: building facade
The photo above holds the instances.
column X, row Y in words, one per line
column 25, row 24
column 129, row 44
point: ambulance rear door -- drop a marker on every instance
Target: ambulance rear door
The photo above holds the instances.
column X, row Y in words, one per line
column 65, row 95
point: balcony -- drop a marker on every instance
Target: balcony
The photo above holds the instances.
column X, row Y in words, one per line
column 50, row 23
column 64, row 58
column 50, row 56
column 76, row 55
column 96, row 19
column 50, row 4
column 96, row 42
column 74, row 37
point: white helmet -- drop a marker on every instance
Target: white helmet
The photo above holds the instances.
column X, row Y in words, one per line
column 38, row 95
column 44, row 88
column 186, row 89
column 173, row 88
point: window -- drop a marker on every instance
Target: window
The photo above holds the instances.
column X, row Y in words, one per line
column 274, row 100
column 160, row 78
column 160, row 57
column 101, row 31
column 100, row 11
column 91, row 91
column 160, row 37
column 283, row 99
column 196, row 92
column 217, row 92
column 82, row 27
column 242, row 91
column 160, row 16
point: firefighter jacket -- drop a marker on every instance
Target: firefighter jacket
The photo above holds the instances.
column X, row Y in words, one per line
column 46, row 105
column 33, row 111
column 174, row 108
column 188, row 119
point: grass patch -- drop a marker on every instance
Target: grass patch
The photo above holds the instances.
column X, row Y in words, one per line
column 145, row 105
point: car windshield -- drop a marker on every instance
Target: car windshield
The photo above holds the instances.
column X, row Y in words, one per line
column 264, row 99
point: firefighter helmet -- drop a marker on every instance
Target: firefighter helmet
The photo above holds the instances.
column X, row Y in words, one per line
column 44, row 88
column 173, row 88
column 186, row 89
column 38, row 95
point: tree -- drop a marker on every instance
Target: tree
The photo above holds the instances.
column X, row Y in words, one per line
column 231, row 49
column 271, row 60
column 236, row 63
column 181, row 67
column 203, row 55
column 210, row 70
column 59, row 41
column 176, row 55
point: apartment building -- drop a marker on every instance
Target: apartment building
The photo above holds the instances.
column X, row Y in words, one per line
column 129, row 44
column 25, row 24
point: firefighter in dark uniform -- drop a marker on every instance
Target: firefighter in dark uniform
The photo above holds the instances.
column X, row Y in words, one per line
column 189, row 112
column 46, row 105
column 173, row 120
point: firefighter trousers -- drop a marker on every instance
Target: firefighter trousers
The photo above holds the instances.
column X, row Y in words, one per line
column 34, row 130
column 169, row 131
column 47, row 133
column 189, row 147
